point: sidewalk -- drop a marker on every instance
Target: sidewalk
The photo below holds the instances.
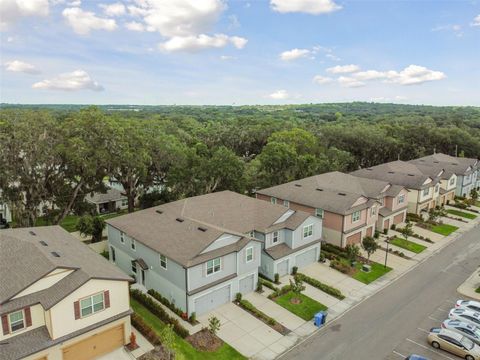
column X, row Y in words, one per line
column 469, row 286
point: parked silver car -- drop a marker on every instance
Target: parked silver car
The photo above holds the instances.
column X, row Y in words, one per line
column 468, row 330
column 465, row 315
column 468, row 304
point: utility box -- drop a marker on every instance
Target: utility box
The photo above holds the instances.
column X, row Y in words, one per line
column 320, row 318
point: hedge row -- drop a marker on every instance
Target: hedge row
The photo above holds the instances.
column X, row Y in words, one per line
column 157, row 310
column 165, row 302
column 280, row 291
column 321, row 286
column 145, row 329
column 268, row 284
column 247, row 305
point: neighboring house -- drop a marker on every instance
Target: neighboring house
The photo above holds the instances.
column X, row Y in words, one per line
column 351, row 207
column 467, row 170
column 108, row 202
column 5, row 213
column 58, row 299
column 423, row 190
column 199, row 252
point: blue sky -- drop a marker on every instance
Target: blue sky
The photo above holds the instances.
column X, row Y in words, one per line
column 240, row 52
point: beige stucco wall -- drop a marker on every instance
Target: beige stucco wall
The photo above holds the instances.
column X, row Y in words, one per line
column 55, row 352
column 63, row 316
column 38, row 320
column 348, row 224
column 332, row 236
column 395, row 205
column 45, row 282
column 332, row 221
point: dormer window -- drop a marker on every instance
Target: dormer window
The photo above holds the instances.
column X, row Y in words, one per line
column 286, row 203
column 275, row 237
column 273, row 200
column 16, row 320
column 319, row 213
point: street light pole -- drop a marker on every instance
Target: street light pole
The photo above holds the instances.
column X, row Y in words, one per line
column 386, row 253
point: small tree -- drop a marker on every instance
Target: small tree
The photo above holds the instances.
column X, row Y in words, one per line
column 352, row 251
column 213, row 325
column 167, row 338
column 474, row 194
column 297, row 285
column 407, row 230
column 92, row 226
column 369, row 245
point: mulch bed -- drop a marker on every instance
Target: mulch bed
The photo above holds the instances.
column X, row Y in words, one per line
column 156, row 354
column 204, row 340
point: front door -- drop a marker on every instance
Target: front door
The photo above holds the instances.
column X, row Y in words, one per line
column 143, row 277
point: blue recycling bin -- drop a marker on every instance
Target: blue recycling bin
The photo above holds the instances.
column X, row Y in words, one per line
column 320, row 318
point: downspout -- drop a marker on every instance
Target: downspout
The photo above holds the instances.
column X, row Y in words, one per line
column 186, row 290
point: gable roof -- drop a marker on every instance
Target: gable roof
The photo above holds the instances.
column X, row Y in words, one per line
column 451, row 164
column 25, row 260
column 334, row 191
column 398, row 172
column 181, row 230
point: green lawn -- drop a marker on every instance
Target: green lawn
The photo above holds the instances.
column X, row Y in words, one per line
column 462, row 214
column 306, row 309
column 408, row 245
column 444, row 229
column 225, row 352
column 377, row 271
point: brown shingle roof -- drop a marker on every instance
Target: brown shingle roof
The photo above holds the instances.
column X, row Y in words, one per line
column 450, row 164
column 100, row 198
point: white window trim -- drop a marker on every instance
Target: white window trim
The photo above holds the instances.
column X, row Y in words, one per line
column 246, row 254
column 122, row 237
column 359, row 216
column 133, row 244
column 401, row 199
column 286, row 203
column 273, row 199
column 166, row 262
column 213, row 267
column 134, row 266
column 374, row 210
column 319, row 211
column 311, row 232
column 23, row 321
column 428, row 191
column 92, row 305
column 273, row 237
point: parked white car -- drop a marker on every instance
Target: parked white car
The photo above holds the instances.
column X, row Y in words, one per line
column 468, row 330
column 465, row 315
column 468, row 304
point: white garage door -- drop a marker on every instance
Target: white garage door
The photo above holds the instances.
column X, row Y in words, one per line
column 306, row 258
column 246, row 284
column 282, row 268
column 212, row 300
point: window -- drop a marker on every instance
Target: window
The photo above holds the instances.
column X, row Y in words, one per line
column 273, row 200
column 112, row 253
column 133, row 245
column 163, row 261
column 437, row 187
column 92, row 304
column 275, row 237
column 401, row 199
column 134, row 267
column 249, row 254
column 16, row 321
column 307, row 231
column 319, row 213
column 125, row 202
column 213, row 266
column 426, row 192
column 252, row 234
column 356, row 216
column 452, row 181
column 286, row 203
column 374, row 210
column 122, row 237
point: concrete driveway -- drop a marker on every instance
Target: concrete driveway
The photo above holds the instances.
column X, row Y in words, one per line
column 242, row 331
column 119, row 354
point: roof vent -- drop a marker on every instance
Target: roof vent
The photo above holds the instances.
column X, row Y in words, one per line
column 342, row 194
column 54, row 253
column 436, row 162
column 391, row 172
column 43, row 243
column 202, row 229
column 410, row 175
column 180, row 220
column 159, row 211
column 298, row 185
column 318, row 189
column 454, row 163
column 32, row 233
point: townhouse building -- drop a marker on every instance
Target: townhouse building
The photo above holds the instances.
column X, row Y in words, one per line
column 199, row 252
column 58, row 298
column 423, row 190
column 351, row 207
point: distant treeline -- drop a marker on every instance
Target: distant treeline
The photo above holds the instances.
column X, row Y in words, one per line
column 56, row 154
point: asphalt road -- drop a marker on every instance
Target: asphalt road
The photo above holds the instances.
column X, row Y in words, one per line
column 390, row 323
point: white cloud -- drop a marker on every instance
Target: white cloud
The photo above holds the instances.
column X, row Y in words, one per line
column 115, row 9
column 201, row 42
column 20, row 66
column 456, row 29
column 279, row 95
column 13, row 10
column 332, row 57
column 83, row 22
column 343, row 69
column 314, row 7
column 369, row 75
column 179, row 17
column 76, row 80
column 414, row 74
column 476, row 21
column 227, row 57
column 350, row 82
column 322, row 80
column 295, row 54
column 135, row 26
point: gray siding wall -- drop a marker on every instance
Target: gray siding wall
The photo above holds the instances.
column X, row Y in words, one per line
column 170, row 283
column 243, row 266
column 197, row 275
column 288, row 237
column 269, row 239
column 267, row 267
column 298, row 239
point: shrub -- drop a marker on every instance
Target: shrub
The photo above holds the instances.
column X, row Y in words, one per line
column 259, row 286
column 145, row 329
column 268, row 284
column 393, row 227
column 283, row 290
column 165, row 302
column 376, row 235
column 294, row 270
column 158, row 311
column 213, row 325
column 385, row 231
column 337, row 265
column 247, row 305
column 238, row 297
column 277, row 278
column 321, row 286
column 414, row 217
column 321, row 258
column 193, row 317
